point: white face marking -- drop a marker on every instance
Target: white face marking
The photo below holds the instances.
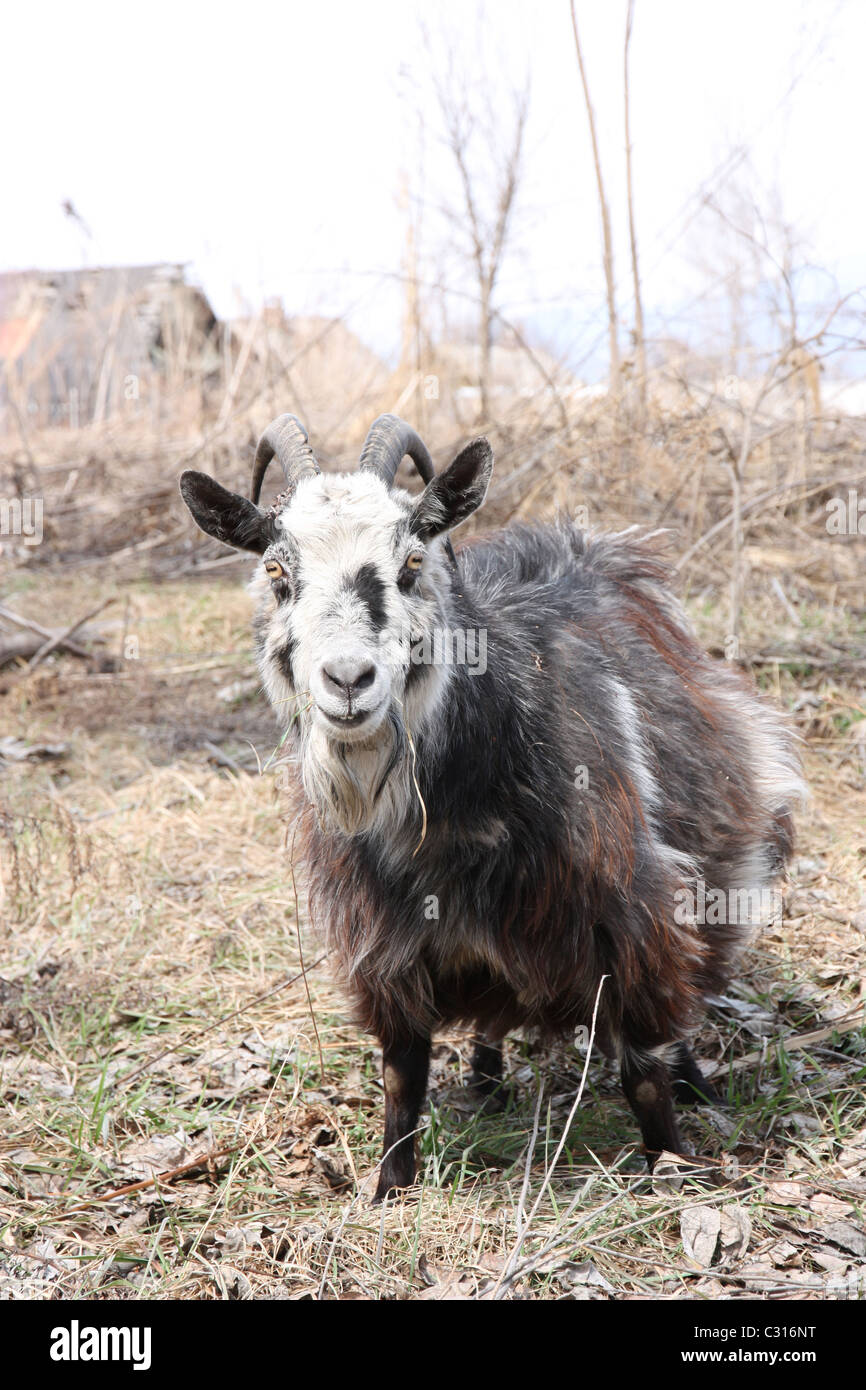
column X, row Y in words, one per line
column 336, row 633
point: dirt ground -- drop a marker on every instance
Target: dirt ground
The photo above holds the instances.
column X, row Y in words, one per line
column 184, row 1116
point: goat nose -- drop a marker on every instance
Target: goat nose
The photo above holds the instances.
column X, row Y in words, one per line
column 348, row 677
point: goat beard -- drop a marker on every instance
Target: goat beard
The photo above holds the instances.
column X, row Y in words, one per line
column 355, row 786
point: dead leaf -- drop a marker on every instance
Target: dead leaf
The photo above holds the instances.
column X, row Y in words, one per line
column 238, row 1241
column 736, row 1231
column 710, row 1288
column 700, row 1228
column 451, row 1284
column 806, row 869
column 15, row 750
column 145, row 1158
column 334, row 1171
column 828, row 1259
column 786, row 1194
column 233, row 1282
column 802, row 1124
column 234, row 1068
column 823, row 1204
column 754, row 1017
column 853, row 1155
column 845, row 1235
column 784, row 1255
column 575, row 1275
column 668, row 1174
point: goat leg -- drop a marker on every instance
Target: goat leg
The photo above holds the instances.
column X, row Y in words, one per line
column 646, row 1081
column 691, row 1087
column 486, row 1075
column 405, row 1065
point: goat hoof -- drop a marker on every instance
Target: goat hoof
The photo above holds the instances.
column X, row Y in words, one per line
column 687, row 1094
column 394, row 1188
column 393, row 1194
column 382, row 1192
column 492, row 1096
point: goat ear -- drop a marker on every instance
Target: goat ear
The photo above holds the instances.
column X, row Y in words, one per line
column 225, row 515
column 454, row 495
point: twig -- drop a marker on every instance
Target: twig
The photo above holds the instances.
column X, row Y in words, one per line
column 41, row 631
column 786, row 602
column 842, row 1025
column 530, row 1150
column 823, row 663
column 607, row 241
column 511, row 1263
column 199, row 1033
column 749, row 506
column 121, row 655
column 238, row 373
column 301, row 954
column 223, row 760
column 203, row 1161
column 151, row 543
column 58, row 641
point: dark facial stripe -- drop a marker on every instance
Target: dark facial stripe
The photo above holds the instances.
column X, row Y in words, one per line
column 371, row 591
column 418, row 672
column 284, row 657
column 287, row 590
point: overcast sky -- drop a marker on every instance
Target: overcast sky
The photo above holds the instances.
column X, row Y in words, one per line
column 265, row 143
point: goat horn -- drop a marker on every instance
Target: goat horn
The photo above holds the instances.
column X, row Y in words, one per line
column 388, row 440
column 286, row 439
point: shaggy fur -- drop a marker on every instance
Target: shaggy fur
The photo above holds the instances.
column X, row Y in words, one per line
column 494, row 841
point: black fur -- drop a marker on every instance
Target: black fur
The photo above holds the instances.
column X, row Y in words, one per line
column 370, row 589
column 544, row 880
column 224, row 515
column 562, row 804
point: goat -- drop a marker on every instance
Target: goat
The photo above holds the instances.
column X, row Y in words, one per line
column 485, row 839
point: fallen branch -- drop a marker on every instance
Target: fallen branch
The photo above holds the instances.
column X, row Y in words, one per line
column 837, row 663
column 815, row 486
column 20, row 647
column 221, row 758
column 843, row 1025
column 44, row 632
column 58, row 641
column 203, row 1161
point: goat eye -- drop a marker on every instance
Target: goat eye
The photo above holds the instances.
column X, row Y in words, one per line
column 410, row 571
column 273, row 569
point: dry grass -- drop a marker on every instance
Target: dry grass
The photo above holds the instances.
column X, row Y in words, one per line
column 148, row 897
column 149, row 922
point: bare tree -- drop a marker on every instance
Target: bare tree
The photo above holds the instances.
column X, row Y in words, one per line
column 639, row 340
column 787, row 357
column 487, row 225
column 612, row 320
column 413, row 340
